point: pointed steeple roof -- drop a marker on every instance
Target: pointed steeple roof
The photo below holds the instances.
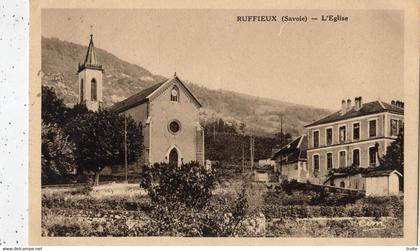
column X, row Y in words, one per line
column 91, row 61
column 90, row 55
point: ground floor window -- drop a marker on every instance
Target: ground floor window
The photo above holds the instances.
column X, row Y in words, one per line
column 372, row 156
column 316, row 163
column 329, row 161
column 342, row 159
column 356, row 157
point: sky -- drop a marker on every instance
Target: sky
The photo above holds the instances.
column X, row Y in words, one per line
column 312, row 63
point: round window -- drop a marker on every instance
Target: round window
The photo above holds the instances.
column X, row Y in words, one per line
column 174, row 126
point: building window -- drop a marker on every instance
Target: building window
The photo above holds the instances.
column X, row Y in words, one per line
column 316, row 163
column 372, row 128
column 342, row 134
column 372, row 156
column 93, row 90
column 328, row 133
column 356, row 131
column 175, row 94
column 81, row 90
column 174, row 126
column 316, row 139
column 329, row 161
column 342, row 159
column 356, row 157
column 342, row 184
column 394, row 127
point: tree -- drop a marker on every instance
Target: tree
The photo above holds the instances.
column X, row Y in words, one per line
column 99, row 140
column 78, row 109
column 57, row 158
column 394, row 157
column 52, row 108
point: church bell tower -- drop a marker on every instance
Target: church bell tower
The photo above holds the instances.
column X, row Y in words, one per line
column 90, row 80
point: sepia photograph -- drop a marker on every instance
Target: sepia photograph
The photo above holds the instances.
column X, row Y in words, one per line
column 239, row 123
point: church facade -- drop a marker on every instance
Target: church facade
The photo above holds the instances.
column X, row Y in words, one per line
column 168, row 114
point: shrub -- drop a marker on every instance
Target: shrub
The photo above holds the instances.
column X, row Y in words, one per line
column 190, row 184
column 220, row 218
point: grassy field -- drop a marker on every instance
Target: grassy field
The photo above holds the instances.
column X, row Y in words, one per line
column 124, row 210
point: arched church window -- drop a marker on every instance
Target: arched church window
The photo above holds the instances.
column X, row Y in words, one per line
column 81, row 90
column 175, row 94
column 93, row 90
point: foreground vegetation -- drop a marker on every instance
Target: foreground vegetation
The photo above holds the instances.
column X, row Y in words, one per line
column 234, row 207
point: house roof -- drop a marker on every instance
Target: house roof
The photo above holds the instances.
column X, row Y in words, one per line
column 365, row 172
column 145, row 95
column 295, row 150
column 366, row 109
column 379, row 173
column 340, row 175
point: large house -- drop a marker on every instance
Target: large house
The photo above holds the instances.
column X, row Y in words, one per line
column 168, row 113
column 356, row 135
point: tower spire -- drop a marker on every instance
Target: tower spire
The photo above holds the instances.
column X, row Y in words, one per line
column 90, row 58
column 91, row 55
column 90, row 79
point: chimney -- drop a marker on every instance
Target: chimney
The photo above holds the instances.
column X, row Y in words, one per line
column 348, row 104
column 357, row 103
column 343, row 107
column 398, row 103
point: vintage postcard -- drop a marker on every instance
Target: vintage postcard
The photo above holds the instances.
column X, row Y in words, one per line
column 223, row 123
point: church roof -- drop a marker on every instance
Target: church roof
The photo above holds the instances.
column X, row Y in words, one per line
column 90, row 59
column 366, row 109
column 136, row 99
column 146, row 94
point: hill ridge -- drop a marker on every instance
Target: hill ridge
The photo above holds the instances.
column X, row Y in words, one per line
column 123, row 79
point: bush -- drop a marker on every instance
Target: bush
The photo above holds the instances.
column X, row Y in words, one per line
column 359, row 209
column 190, row 184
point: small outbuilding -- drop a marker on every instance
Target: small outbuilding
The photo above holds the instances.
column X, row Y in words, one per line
column 382, row 182
column 372, row 182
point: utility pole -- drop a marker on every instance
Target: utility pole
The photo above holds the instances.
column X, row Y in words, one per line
column 125, row 149
column 251, row 146
column 243, row 157
column 214, row 132
column 281, row 142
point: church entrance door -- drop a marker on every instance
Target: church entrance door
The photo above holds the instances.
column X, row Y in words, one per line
column 173, row 157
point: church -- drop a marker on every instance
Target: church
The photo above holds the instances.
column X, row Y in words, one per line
column 167, row 111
